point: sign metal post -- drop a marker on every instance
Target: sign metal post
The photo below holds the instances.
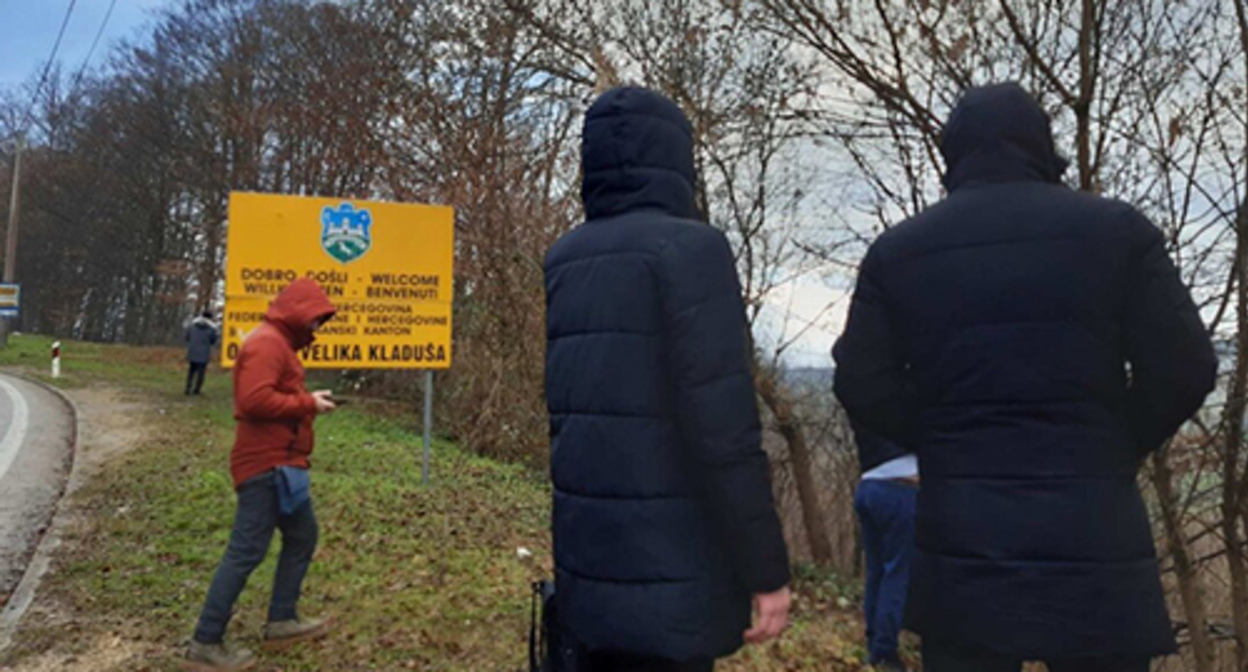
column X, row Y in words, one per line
column 424, row 471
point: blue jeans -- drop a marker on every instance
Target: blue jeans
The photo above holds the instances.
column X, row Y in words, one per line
column 254, row 522
column 886, row 513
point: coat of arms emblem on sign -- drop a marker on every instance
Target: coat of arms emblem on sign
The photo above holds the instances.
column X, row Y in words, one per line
column 345, row 234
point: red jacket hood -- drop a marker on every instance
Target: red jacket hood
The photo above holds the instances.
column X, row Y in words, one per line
column 296, row 307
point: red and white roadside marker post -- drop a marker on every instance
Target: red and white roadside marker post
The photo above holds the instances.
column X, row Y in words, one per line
column 56, row 359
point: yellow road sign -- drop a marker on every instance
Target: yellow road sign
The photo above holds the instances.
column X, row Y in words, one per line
column 385, row 266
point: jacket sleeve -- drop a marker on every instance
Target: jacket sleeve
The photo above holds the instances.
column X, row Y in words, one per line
column 1173, row 366
column 874, row 450
column 705, row 335
column 872, row 377
column 256, row 393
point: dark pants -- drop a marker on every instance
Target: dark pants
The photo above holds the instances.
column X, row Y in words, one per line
column 256, row 519
column 940, row 659
column 623, row 662
column 886, row 513
column 195, row 377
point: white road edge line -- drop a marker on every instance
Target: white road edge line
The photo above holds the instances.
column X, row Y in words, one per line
column 24, row 593
column 16, row 434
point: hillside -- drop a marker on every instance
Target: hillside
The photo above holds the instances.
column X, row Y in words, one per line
column 426, row 578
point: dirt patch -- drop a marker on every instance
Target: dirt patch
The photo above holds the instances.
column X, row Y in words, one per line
column 111, row 422
column 108, row 652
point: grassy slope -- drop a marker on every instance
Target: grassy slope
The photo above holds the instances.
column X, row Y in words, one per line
column 419, row 577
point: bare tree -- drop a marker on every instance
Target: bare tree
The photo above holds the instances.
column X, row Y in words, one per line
column 1147, row 100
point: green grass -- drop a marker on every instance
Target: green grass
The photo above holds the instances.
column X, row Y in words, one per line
column 418, row 577
column 142, row 369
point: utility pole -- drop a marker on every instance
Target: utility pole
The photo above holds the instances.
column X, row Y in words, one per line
column 10, row 238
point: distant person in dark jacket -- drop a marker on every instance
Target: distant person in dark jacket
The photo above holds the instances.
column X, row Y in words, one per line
column 200, row 337
column 884, row 503
column 1034, row 344
column 664, row 524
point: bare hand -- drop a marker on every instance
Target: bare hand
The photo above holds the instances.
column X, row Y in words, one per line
column 771, row 616
column 324, row 401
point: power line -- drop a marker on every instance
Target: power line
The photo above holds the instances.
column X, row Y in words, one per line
column 47, row 67
column 94, row 43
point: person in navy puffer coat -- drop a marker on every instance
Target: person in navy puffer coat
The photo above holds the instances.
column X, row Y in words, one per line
column 1034, row 344
column 664, row 523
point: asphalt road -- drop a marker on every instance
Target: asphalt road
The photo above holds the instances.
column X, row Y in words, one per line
column 36, row 435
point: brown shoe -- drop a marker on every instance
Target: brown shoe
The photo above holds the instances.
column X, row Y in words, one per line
column 215, row 657
column 281, row 634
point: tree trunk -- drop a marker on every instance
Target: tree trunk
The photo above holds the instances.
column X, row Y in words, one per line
column 208, row 270
column 1239, row 608
column 1185, row 570
column 1088, row 55
column 1233, row 434
column 1237, row 564
column 790, row 428
column 1233, row 420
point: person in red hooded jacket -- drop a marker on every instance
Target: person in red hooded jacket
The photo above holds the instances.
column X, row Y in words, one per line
column 269, row 465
